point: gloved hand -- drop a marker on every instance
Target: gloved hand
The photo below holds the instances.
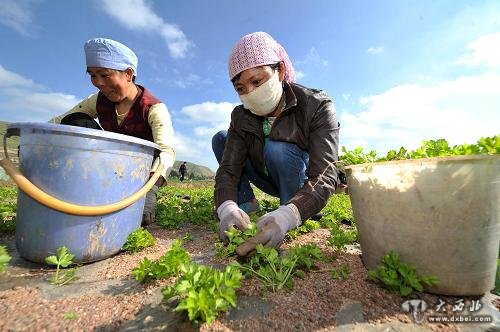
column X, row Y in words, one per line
column 148, row 215
column 272, row 228
column 231, row 215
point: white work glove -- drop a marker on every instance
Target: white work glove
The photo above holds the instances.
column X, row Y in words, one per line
column 272, row 228
column 148, row 215
column 230, row 215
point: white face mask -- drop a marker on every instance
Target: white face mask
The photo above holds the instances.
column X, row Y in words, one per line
column 264, row 99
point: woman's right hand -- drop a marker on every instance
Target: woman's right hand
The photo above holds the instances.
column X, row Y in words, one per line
column 230, row 215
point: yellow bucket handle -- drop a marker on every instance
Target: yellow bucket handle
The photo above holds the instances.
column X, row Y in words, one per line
column 54, row 203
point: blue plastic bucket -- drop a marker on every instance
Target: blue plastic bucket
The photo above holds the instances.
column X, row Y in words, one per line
column 85, row 167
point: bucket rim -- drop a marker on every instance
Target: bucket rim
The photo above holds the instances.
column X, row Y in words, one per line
column 425, row 160
column 88, row 132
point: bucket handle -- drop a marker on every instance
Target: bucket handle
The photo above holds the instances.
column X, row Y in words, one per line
column 54, row 203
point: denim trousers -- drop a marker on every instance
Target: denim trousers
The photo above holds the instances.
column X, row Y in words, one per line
column 286, row 166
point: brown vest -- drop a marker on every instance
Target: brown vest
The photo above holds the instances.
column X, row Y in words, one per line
column 136, row 121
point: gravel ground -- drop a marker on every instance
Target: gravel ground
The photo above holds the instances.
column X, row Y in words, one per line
column 312, row 305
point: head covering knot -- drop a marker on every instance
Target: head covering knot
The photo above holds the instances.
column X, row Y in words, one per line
column 108, row 53
column 258, row 49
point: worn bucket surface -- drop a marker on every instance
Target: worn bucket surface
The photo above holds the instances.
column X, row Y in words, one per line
column 85, row 167
column 441, row 214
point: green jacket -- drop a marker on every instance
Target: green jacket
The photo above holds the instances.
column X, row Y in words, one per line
column 308, row 120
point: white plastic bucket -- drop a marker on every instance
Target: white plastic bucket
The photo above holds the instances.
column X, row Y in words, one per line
column 441, row 214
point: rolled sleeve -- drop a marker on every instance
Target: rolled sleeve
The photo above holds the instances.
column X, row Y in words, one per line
column 163, row 134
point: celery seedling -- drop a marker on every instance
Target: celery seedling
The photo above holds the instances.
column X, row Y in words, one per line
column 62, row 259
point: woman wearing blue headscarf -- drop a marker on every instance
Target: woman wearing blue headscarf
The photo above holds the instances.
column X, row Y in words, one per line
column 122, row 106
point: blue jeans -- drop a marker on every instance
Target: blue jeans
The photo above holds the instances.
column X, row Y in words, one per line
column 286, row 165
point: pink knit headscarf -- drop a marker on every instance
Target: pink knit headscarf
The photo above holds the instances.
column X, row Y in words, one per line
column 258, row 49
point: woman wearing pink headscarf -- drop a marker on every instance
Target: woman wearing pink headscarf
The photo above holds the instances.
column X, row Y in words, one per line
column 283, row 139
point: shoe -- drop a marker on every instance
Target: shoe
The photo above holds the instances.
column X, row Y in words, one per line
column 250, row 207
column 148, row 219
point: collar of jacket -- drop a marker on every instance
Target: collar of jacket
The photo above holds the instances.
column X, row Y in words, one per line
column 291, row 99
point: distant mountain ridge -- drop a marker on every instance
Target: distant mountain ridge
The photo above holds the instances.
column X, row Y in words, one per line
column 194, row 171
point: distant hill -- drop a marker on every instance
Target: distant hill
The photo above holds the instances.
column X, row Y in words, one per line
column 195, row 172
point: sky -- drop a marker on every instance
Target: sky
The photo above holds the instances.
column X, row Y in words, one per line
column 399, row 72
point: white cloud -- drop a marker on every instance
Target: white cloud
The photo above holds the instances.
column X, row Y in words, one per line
column 11, row 79
column 16, row 15
column 210, row 112
column 21, row 99
column 299, row 75
column 205, row 119
column 138, row 15
column 460, row 110
column 312, row 58
column 483, row 51
column 189, row 81
column 346, row 96
column 375, row 50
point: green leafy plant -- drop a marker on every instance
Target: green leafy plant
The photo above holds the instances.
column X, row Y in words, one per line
column 357, row 156
column 428, row 149
column 203, row 291
column 306, row 255
column 62, row 259
column 339, row 237
column 138, row 240
column 341, row 273
column 174, row 210
column 268, row 205
column 235, row 238
column 400, row 277
column 306, row 227
column 187, row 237
column 4, row 258
column 168, row 265
column 338, row 209
column 70, row 315
column 496, row 290
column 8, row 209
column 275, row 271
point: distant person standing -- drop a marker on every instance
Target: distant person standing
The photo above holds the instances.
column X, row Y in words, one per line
column 183, row 171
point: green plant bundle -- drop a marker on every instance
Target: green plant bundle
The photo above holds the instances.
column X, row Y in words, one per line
column 138, row 240
column 235, row 238
column 339, row 238
column 4, row 258
column 400, row 277
column 275, row 271
column 62, row 259
column 167, row 266
column 428, row 149
column 204, row 292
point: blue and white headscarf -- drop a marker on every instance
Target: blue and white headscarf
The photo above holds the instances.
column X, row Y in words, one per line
column 108, row 53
